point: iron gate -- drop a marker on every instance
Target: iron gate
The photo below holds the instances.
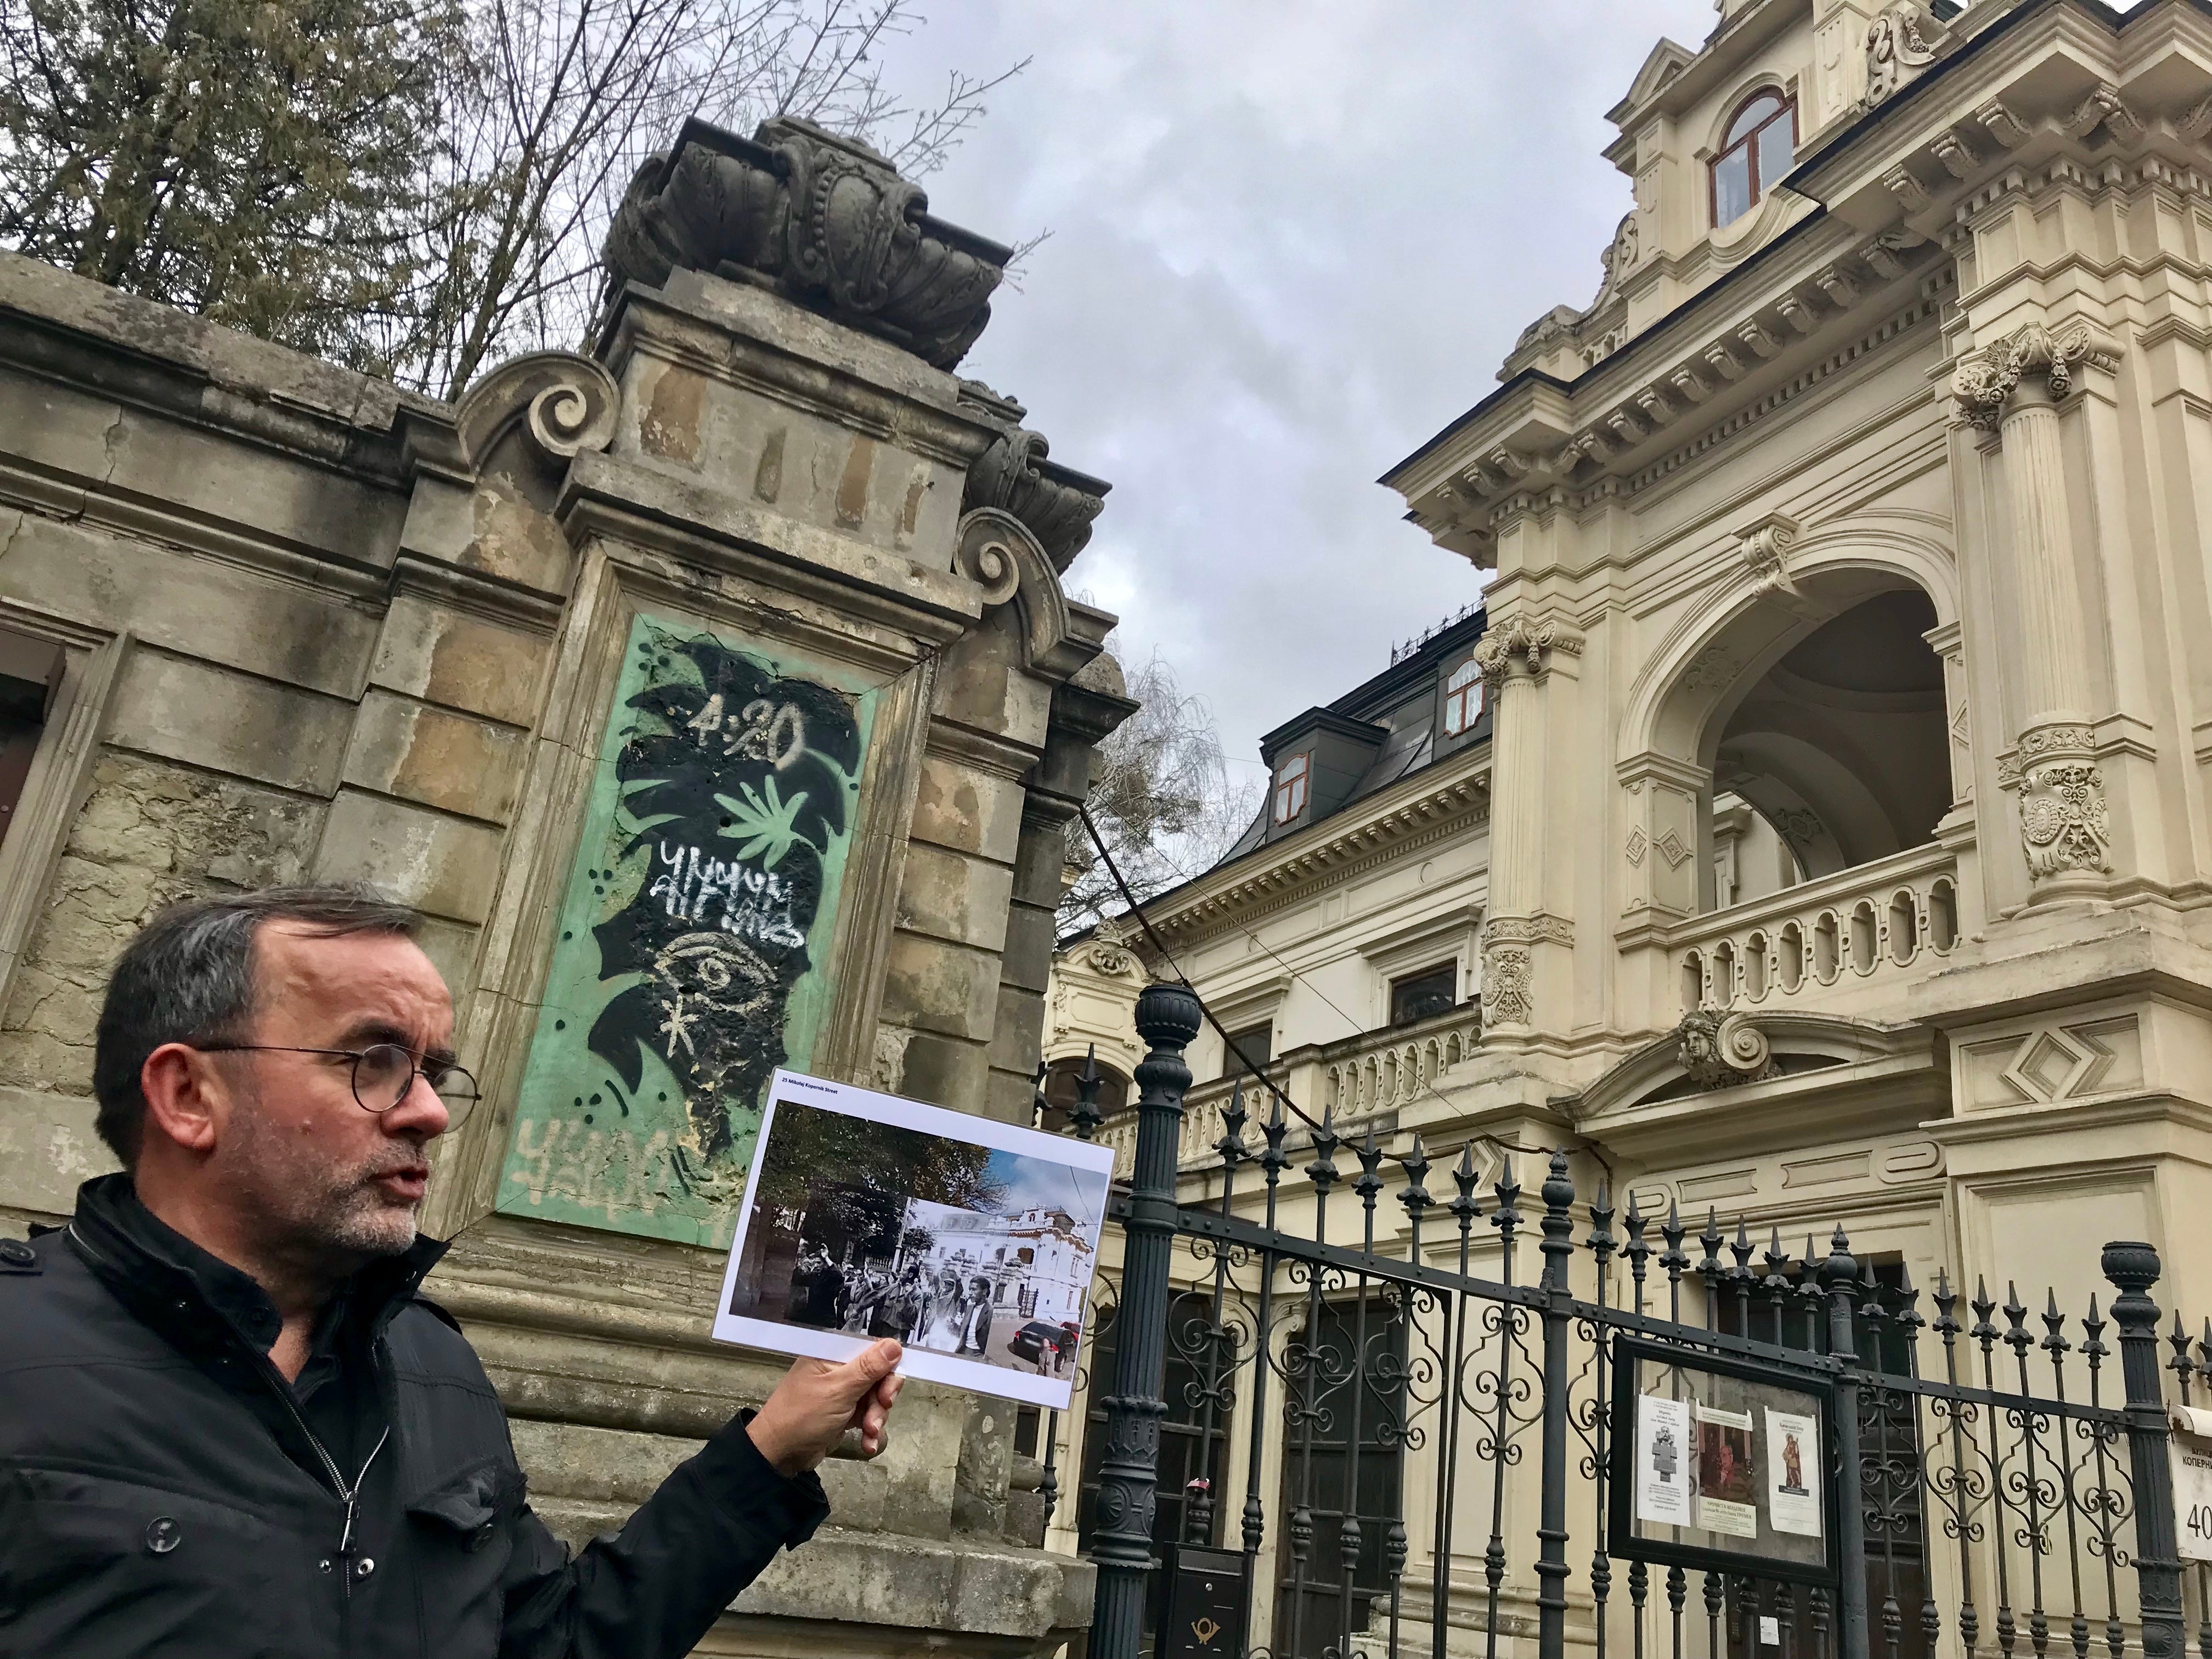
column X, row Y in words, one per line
column 2005, row 1489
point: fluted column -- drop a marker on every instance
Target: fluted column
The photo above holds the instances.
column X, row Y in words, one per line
column 1516, row 655
column 2014, row 388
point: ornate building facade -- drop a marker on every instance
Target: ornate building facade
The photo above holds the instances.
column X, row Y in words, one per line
column 1835, row 844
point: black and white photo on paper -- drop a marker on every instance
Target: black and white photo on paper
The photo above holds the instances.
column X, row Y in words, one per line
column 972, row 1243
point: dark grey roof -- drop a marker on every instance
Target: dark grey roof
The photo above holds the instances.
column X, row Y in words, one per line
column 1405, row 698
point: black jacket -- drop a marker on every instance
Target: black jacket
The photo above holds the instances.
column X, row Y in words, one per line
column 164, row 1490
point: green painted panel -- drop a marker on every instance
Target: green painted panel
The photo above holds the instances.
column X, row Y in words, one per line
column 694, row 934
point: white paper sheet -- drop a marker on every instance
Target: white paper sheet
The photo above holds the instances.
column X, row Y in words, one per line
column 1792, row 1455
column 1727, row 1464
column 1664, row 1456
column 984, row 1281
column 2190, row 1453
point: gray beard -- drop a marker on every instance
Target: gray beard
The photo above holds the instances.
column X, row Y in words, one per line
column 314, row 1208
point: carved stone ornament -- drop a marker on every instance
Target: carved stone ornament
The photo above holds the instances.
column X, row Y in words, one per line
column 1505, row 995
column 1107, row 940
column 1765, row 549
column 1530, row 643
column 1984, row 380
column 2065, row 821
column 824, row 220
column 1718, row 1050
column 1056, row 502
column 1900, row 43
column 987, row 554
column 565, row 403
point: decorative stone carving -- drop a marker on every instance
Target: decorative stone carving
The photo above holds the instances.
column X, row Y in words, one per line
column 2065, row 821
column 1911, row 194
column 1800, row 313
column 1887, row 252
column 1984, row 381
column 1711, row 670
column 1530, row 930
column 1107, row 940
column 824, row 220
column 1762, row 341
column 1764, row 546
column 1718, row 1050
column 1636, row 847
column 1956, row 154
column 1839, row 285
column 1505, row 998
column 2002, row 124
column 1056, row 502
column 565, row 402
column 1900, row 43
column 2104, row 108
column 1531, row 642
column 2197, row 122
column 986, row 555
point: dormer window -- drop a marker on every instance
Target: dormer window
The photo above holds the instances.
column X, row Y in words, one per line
column 1756, row 151
column 1292, row 784
column 1463, row 697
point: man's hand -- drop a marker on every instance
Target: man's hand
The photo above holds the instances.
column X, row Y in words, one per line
column 802, row 1422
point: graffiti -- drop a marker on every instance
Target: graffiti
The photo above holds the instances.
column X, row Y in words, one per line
column 689, row 963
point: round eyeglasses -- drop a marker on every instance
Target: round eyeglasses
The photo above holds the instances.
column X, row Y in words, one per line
column 384, row 1074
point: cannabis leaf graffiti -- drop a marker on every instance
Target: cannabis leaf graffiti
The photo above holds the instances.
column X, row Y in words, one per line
column 766, row 823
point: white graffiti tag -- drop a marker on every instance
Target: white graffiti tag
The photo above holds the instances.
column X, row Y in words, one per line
column 753, row 904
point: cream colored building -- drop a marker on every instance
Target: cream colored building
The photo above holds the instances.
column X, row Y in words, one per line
column 1850, row 578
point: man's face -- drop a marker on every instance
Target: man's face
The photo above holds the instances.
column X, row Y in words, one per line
column 320, row 1173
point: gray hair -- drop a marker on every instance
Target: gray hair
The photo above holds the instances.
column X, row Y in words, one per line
column 187, row 976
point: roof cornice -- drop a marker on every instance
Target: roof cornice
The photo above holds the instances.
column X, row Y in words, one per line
column 2028, row 90
column 1447, row 797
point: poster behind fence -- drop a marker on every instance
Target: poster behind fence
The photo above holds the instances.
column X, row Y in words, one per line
column 1793, row 1473
column 1727, row 1500
column 865, row 1216
column 1662, row 1461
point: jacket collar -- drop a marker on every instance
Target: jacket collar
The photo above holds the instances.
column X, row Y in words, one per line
column 193, row 1298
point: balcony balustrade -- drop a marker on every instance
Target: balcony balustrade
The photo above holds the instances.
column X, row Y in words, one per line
column 1356, row 1078
column 1891, row 921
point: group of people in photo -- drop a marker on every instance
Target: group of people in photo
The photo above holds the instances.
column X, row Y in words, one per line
column 943, row 1312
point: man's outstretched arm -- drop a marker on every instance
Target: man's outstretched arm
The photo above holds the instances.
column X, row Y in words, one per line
column 654, row 1588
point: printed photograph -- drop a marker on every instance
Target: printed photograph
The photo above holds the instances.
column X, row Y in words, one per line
column 1723, row 1460
column 972, row 1243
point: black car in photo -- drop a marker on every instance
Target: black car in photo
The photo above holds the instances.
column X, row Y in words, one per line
column 1033, row 1339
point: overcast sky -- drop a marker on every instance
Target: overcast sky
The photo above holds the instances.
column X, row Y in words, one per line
column 1290, row 240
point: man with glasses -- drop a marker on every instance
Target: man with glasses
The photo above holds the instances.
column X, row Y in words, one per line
column 229, row 1422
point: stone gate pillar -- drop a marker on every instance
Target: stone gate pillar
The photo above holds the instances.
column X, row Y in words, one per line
column 818, row 706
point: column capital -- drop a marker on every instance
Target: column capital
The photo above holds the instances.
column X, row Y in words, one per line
column 1530, row 643
column 2038, row 359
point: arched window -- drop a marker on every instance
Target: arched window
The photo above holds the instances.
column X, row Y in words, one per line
column 1758, row 148
column 1463, row 697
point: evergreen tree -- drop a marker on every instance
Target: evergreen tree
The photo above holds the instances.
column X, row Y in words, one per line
column 265, row 165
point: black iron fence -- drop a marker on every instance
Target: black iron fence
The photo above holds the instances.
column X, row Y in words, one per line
column 1473, row 1420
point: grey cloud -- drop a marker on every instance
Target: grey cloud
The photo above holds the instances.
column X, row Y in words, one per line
column 1289, row 241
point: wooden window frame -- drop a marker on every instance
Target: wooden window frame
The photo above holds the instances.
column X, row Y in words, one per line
column 1295, row 790
column 1749, row 143
column 1464, row 697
